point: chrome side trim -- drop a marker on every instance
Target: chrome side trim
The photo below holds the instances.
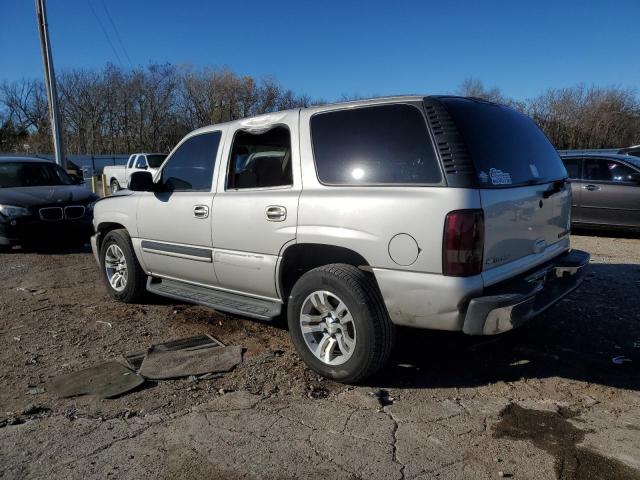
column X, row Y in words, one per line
column 179, row 251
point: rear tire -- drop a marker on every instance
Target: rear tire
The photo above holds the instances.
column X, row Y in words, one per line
column 115, row 186
column 339, row 324
column 123, row 276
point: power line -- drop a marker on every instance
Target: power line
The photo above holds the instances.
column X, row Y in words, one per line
column 115, row 29
column 105, row 32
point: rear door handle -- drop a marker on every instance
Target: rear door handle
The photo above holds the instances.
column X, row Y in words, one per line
column 200, row 211
column 275, row 213
column 591, row 188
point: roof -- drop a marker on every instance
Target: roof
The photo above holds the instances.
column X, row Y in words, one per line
column 267, row 119
column 5, row 159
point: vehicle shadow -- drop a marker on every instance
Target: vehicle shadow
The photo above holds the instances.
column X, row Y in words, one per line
column 593, row 335
column 53, row 247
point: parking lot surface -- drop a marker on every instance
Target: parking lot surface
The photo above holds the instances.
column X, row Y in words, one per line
column 557, row 398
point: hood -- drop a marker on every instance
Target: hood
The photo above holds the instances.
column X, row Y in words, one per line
column 33, row 196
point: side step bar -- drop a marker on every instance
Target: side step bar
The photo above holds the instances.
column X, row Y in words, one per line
column 216, row 299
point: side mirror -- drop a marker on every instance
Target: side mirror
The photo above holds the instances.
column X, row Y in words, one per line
column 144, row 167
column 142, row 182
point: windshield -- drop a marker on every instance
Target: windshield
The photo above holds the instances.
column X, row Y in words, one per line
column 506, row 147
column 155, row 161
column 32, row 174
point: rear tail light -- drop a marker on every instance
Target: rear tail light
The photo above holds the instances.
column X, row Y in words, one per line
column 463, row 243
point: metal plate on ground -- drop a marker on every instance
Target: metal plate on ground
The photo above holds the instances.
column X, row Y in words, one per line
column 106, row 380
column 164, row 364
column 192, row 343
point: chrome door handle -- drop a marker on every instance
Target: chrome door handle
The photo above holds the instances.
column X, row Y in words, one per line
column 200, row 211
column 275, row 213
column 591, row 188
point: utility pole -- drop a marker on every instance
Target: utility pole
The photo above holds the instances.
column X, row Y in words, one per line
column 50, row 81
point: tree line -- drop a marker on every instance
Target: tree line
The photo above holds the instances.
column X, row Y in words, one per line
column 116, row 110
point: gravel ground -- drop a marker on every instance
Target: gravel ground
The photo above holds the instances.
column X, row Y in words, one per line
column 544, row 401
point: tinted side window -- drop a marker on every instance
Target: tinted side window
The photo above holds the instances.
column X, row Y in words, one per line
column 191, row 165
column 385, row 144
column 572, row 165
column 607, row 170
column 260, row 160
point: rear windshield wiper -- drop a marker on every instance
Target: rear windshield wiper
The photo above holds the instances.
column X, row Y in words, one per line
column 556, row 187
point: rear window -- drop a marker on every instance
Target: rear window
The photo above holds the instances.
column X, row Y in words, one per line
column 155, row 160
column 383, row 144
column 507, row 148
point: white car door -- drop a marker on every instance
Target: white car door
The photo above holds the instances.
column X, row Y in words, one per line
column 174, row 224
column 255, row 208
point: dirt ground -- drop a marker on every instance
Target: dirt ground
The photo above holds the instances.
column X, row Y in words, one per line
column 557, row 398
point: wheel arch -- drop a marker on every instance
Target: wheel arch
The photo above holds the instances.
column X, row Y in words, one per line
column 299, row 258
column 104, row 228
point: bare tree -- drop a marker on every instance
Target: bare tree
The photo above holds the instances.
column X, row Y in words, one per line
column 116, row 110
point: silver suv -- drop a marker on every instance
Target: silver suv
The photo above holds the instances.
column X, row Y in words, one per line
column 440, row 212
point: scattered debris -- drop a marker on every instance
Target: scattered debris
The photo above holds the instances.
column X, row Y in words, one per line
column 107, row 380
column 10, row 421
column 33, row 409
column 197, row 358
column 317, row 392
column 383, row 397
column 36, row 390
column 192, row 343
column 104, row 323
column 165, row 364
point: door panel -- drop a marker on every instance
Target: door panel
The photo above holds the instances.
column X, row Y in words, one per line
column 256, row 204
column 606, row 203
column 576, row 201
column 247, row 243
column 174, row 225
column 607, row 198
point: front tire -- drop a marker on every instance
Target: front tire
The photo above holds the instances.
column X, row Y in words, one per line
column 115, row 186
column 121, row 271
column 339, row 324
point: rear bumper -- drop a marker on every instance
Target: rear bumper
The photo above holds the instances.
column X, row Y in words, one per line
column 514, row 302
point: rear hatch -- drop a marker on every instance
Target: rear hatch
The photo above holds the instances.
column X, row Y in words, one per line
column 521, row 180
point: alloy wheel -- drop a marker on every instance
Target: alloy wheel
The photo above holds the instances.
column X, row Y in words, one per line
column 327, row 327
column 115, row 265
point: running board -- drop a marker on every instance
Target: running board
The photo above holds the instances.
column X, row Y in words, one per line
column 216, row 299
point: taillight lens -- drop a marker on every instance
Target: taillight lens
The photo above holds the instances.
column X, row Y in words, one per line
column 463, row 243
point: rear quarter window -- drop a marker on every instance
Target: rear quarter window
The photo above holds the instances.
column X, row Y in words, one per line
column 507, row 147
column 377, row 145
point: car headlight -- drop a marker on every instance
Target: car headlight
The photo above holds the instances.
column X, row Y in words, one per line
column 11, row 211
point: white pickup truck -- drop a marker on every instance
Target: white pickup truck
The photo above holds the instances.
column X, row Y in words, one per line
column 118, row 175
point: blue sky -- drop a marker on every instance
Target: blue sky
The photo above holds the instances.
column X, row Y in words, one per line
column 329, row 48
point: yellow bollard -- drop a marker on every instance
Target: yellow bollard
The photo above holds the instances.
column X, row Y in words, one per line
column 104, row 185
column 94, row 184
